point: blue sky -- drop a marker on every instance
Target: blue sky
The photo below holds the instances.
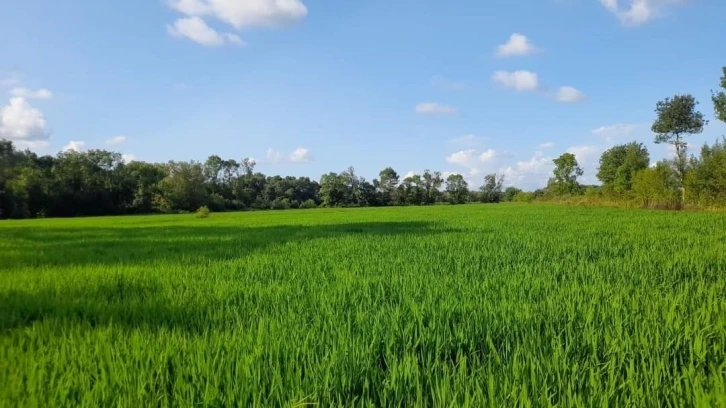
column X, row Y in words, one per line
column 311, row 86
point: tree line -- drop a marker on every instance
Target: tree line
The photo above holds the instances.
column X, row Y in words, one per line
column 627, row 175
column 99, row 182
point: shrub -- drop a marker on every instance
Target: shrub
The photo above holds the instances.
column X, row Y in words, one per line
column 280, row 204
column 202, row 212
column 524, row 197
column 308, row 204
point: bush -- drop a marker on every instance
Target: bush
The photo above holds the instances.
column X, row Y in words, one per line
column 202, row 212
column 524, row 197
column 280, row 204
column 308, row 204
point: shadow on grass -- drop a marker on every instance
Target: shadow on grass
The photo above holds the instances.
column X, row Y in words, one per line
column 137, row 303
column 38, row 247
column 123, row 302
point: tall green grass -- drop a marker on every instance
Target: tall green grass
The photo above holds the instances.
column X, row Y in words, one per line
column 509, row 305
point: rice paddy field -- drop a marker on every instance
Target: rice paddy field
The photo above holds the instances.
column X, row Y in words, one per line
column 476, row 305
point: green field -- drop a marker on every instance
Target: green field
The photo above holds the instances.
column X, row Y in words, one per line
column 477, row 305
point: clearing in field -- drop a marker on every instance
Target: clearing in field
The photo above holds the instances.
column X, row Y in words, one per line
column 509, row 305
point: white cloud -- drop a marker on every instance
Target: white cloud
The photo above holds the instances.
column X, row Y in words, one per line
column 432, row 108
column 637, row 12
column 547, row 145
column 523, row 81
column 299, row 155
column 470, row 139
column 41, row 93
column 518, row 45
column 465, row 158
column 487, row 155
column 116, row 140
column 128, row 158
column 75, row 145
column 568, row 94
column 442, row 83
column 529, row 174
column 20, row 122
column 588, row 158
column 195, row 29
column 244, row 13
column 476, row 162
column 585, row 154
column 411, row 173
column 614, row 132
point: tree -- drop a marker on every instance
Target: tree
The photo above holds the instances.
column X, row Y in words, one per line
column 491, row 190
column 566, row 172
column 431, row 182
column 619, row 164
column 706, row 182
column 457, row 189
column 387, row 185
column 656, row 186
column 719, row 99
column 184, row 187
column 510, row 193
column 678, row 118
column 333, row 190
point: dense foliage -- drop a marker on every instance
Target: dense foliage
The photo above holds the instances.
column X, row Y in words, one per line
column 99, row 182
column 505, row 306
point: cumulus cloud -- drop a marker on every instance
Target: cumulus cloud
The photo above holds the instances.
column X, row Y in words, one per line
column 244, row 13
column 75, row 146
column 195, row 29
column 547, row 145
column 568, row 94
column 476, row 162
column 522, row 81
column 637, row 12
column 465, row 158
column 588, row 158
column 518, row 45
column 299, row 155
column 128, row 158
column 433, row 108
column 585, row 154
column 116, row 140
column 41, row 93
column 471, row 140
column 529, row 174
column 22, row 123
column 615, row 132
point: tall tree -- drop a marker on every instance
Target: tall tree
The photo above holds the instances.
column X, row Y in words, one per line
column 457, row 189
column 678, row 118
column 510, row 193
column 387, row 185
column 719, row 99
column 491, row 190
column 619, row 164
column 566, row 172
column 184, row 187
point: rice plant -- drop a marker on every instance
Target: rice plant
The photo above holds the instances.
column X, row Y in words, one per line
column 476, row 305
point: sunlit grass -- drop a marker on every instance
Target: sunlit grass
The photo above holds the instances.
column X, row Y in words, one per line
column 481, row 305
